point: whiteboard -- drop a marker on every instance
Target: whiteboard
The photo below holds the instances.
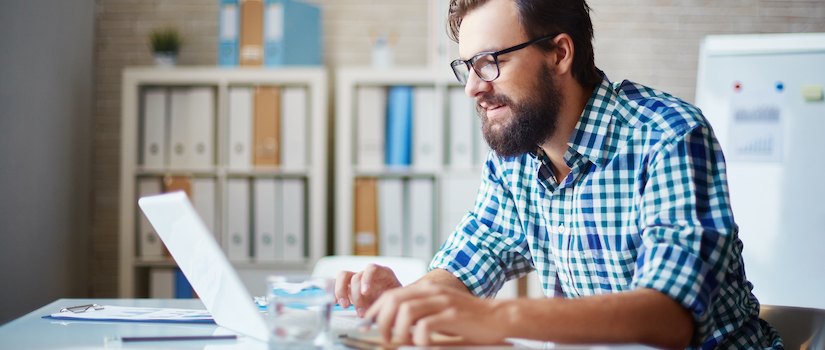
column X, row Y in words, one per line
column 749, row 88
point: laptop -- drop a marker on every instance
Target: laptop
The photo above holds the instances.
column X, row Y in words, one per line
column 204, row 264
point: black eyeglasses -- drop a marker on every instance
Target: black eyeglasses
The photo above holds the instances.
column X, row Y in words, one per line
column 485, row 64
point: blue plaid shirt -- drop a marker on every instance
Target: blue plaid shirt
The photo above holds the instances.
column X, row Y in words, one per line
column 645, row 205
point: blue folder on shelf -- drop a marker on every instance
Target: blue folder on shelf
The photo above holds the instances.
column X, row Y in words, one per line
column 292, row 33
column 399, row 126
column 229, row 29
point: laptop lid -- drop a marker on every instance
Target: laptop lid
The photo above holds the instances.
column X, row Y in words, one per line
column 204, row 264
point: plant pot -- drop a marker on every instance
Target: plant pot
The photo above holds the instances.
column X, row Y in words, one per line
column 166, row 59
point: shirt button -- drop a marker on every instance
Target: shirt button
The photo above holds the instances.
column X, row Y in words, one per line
column 563, row 278
column 561, row 228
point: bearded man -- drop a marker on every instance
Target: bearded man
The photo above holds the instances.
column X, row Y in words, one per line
column 614, row 193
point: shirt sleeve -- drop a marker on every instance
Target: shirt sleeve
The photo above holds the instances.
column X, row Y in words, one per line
column 488, row 246
column 689, row 238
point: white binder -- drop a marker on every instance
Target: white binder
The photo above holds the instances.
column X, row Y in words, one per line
column 154, row 128
column 180, row 154
column 424, row 156
column 203, row 199
column 240, row 116
column 162, row 283
column 294, row 219
column 151, row 248
column 391, row 217
column 294, row 128
column 421, row 225
column 458, row 195
column 201, row 127
column 236, row 239
column 462, row 112
column 370, row 130
column 267, row 217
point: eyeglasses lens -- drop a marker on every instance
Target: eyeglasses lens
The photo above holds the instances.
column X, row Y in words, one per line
column 486, row 67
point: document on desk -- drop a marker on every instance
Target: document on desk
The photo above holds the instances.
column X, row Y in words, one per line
column 137, row 314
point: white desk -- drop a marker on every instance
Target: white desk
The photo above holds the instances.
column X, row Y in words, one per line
column 34, row 332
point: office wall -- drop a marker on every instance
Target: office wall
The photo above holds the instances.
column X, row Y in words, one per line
column 654, row 42
column 46, row 58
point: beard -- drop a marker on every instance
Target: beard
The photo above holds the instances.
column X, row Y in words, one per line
column 533, row 120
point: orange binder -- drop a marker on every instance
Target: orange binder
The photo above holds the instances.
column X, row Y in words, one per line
column 173, row 183
column 252, row 33
column 267, row 135
column 366, row 216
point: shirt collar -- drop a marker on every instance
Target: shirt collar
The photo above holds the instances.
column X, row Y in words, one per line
column 588, row 137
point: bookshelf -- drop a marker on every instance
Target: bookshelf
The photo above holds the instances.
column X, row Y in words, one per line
column 219, row 171
column 443, row 171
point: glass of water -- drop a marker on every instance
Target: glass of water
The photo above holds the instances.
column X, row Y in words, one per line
column 298, row 312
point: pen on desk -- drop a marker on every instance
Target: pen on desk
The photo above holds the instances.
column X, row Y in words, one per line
column 174, row 338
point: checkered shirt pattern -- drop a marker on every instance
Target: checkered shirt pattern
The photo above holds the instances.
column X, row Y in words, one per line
column 645, row 205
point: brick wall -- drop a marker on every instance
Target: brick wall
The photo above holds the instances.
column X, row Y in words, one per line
column 654, row 42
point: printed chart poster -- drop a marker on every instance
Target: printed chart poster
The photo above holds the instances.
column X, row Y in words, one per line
column 756, row 127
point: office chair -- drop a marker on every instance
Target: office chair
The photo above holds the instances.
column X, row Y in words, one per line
column 801, row 328
column 407, row 270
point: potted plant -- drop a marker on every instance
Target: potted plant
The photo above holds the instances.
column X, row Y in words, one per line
column 165, row 46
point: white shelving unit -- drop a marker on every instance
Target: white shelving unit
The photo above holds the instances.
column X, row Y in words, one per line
column 347, row 82
column 132, row 267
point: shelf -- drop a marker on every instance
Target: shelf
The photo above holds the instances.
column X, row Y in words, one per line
column 138, row 80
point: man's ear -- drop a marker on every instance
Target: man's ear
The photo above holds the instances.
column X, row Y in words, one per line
column 562, row 55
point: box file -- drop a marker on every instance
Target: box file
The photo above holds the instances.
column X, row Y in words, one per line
column 294, row 219
column 201, row 127
column 240, row 112
column 371, row 117
column 179, row 122
column 252, row 32
column 294, row 131
column 172, row 183
column 421, row 224
column 399, row 126
column 267, row 131
column 461, row 116
column 154, row 128
column 366, row 216
column 236, row 241
column 183, row 290
column 204, row 199
column 458, row 195
column 150, row 247
column 161, row 283
column 229, row 33
column 391, row 216
column 424, row 147
column 267, row 217
column 292, row 33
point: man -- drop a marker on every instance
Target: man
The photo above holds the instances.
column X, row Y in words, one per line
column 614, row 193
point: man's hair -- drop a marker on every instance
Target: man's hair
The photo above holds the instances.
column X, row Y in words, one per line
column 541, row 18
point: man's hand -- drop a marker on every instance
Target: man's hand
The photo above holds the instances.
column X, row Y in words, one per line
column 434, row 307
column 363, row 288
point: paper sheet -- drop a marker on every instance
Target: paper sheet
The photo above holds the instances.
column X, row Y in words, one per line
column 137, row 314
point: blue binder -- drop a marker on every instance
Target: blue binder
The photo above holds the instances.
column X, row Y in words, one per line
column 399, row 126
column 183, row 290
column 229, row 29
column 292, row 33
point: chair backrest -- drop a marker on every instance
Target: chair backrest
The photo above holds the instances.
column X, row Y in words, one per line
column 407, row 270
column 801, row 328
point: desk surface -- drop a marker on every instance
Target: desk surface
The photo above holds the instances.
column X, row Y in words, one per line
column 34, row 332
